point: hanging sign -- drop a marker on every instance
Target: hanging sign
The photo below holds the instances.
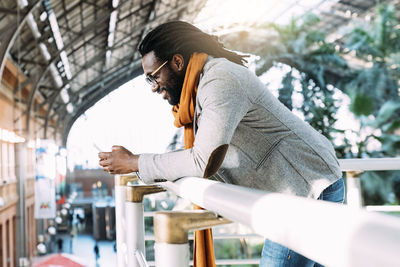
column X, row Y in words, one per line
column 45, row 194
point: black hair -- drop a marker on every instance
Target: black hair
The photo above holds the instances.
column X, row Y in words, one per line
column 178, row 37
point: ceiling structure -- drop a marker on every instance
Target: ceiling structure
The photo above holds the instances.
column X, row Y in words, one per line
column 74, row 52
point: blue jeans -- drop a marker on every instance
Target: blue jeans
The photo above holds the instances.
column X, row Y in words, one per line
column 275, row 255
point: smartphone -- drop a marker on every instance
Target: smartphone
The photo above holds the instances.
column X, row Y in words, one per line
column 98, row 148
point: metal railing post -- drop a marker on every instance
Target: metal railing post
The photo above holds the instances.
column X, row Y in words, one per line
column 171, row 234
column 120, row 224
column 135, row 219
column 353, row 195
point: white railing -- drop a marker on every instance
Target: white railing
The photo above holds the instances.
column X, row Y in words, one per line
column 331, row 234
column 353, row 169
column 380, row 164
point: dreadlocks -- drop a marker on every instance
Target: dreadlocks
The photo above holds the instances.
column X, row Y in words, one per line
column 178, row 37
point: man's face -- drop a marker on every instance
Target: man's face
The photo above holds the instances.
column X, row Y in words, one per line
column 166, row 81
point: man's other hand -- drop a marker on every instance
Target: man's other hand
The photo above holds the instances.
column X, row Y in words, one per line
column 118, row 161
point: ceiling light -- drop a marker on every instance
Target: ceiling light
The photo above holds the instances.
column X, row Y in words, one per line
column 45, row 52
column 32, row 24
column 23, row 3
column 65, row 62
column 115, row 3
column 70, row 108
column 56, row 75
column 43, row 16
column 56, row 31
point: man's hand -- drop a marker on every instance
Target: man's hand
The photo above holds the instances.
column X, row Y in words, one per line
column 118, row 161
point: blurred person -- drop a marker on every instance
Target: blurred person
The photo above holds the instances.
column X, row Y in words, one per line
column 235, row 130
column 96, row 251
column 60, row 244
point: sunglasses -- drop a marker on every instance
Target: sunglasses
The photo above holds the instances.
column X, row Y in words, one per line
column 150, row 78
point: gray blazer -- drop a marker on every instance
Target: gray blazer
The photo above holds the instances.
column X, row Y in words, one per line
column 245, row 136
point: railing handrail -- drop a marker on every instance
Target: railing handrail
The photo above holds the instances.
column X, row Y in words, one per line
column 370, row 164
column 331, row 234
column 217, row 236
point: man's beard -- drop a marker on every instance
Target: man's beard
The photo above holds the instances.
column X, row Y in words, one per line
column 174, row 88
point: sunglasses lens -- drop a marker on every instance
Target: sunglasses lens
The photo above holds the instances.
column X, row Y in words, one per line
column 150, row 81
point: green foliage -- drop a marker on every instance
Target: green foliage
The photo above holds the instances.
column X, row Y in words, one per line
column 236, row 249
column 372, row 85
column 386, row 118
column 286, row 91
column 361, row 104
column 305, row 49
column 377, row 187
column 364, row 64
column 379, row 44
column 319, row 107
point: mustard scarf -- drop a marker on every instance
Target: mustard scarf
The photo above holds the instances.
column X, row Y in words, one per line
column 203, row 249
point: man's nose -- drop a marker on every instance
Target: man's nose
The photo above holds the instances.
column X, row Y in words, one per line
column 156, row 88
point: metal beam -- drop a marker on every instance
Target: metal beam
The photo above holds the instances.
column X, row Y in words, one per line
column 88, row 64
column 53, row 97
column 47, row 116
column 8, row 39
column 112, row 76
column 11, row 33
column 33, row 62
column 55, row 93
column 137, row 10
column 89, row 87
column 95, row 5
column 11, row 11
column 89, row 28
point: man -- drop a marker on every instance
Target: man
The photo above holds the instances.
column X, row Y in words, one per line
column 242, row 134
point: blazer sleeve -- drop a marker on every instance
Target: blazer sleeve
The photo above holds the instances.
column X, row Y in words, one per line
column 223, row 103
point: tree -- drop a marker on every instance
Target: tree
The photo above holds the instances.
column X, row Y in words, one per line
column 375, row 88
column 364, row 64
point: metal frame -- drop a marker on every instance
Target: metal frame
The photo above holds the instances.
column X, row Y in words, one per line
column 11, row 34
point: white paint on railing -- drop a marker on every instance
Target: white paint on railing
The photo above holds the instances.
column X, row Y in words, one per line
column 141, row 259
column 331, row 234
column 168, row 255
column 134, row 231
column 120, row 225
column 370, row 164
column 230, row 262
column 215, row 236
column 393, row 208
column 353, row 192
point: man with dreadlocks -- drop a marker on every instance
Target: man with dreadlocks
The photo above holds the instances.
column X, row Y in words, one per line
column 235, row 129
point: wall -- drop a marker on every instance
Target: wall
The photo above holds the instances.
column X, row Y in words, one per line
column 12, row 124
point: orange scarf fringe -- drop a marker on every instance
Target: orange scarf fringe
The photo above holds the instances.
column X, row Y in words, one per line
column 203, row 248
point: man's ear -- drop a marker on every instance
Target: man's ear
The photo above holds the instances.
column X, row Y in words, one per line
column 178, row 62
